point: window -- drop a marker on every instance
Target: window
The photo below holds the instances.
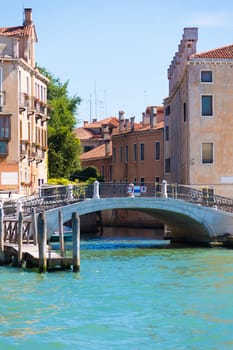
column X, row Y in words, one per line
column 157, row 150
column 27, row 83
column 121, row 154
column 167, row 165
column 102, row 171
column 135, row 152
column 206, row 76
column 207, row 153
column 206, row 105
column 3, row 148
column 110, row 173
column 185, row 115
column 166, row 133
column 1, row 92
column 142, row 180
column 114, row 155
column 126, row 153
column 167, row 110
column 142, row 151
column 20, row 83
column 4, row 127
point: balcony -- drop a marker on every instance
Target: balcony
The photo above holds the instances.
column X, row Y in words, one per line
column 2, row 100
column 36, row 153
column 23, row 149
column 40, row 108
column 24, row 102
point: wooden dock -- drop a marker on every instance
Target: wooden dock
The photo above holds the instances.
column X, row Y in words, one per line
column 24, row 243
column 30, row 257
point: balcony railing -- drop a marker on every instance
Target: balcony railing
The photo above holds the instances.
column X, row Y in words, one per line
column 2, row 99
column 24, row 101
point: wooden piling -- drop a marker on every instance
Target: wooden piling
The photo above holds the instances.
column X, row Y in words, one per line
column 42, row 241
column 76, row 241
column 20, row 238
column 2, row 257
column 61, row 234
column 34, row 227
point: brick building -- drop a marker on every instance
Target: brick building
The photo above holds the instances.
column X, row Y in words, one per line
column 92, row 135
column 137, row 150
column 23, row 111
column 131, row 153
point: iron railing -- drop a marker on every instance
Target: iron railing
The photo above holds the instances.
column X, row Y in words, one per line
column 56, row 196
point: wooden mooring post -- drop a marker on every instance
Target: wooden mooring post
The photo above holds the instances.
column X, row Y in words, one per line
column 76, row 241
column 20, row 238
column 2, row 257
column 61, row 234
column 34, row 226
column 42, row 240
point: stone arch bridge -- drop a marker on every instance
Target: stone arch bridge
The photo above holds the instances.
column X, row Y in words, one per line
column 188, row 222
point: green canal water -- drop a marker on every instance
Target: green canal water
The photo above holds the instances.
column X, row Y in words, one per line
column 126, row 297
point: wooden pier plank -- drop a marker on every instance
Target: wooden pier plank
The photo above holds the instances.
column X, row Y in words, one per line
column 30, row 253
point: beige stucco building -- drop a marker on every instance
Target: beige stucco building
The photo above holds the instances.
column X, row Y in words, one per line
column 23, row 111
column 198, row 142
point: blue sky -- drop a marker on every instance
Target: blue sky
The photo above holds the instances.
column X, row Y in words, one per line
column 115, row 53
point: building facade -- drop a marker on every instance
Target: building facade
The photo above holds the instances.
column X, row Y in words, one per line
column 92, row 135
column 137, row 150
column 198, row 143
column 132, row 152
column 23, row 111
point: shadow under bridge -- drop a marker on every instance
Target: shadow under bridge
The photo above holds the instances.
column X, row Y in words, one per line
column 188, row 222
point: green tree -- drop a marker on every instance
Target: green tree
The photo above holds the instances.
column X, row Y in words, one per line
column 64, row 147
column 85, row 174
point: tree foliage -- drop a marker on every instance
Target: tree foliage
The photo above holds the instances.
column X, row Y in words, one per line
column 84, row 174
column 64, row 147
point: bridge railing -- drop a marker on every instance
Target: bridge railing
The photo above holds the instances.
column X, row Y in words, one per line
column 55, row 196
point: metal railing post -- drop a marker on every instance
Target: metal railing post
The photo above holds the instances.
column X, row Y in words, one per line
column 96, row 194
column 164, row 189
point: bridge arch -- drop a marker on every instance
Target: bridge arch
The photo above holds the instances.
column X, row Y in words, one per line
column 188, row 221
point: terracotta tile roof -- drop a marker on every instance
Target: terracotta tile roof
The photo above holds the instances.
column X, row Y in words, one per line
column 113, row 121
column 159, row 125
column 17, row 31
column 98, row 152
column 83, row 134
column 225, row 52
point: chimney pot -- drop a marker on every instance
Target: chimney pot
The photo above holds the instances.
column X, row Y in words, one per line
column 27, row 17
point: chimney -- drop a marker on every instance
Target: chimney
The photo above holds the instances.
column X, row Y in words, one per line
column 132, row 124
column 153, row 117
column 27, row 17
column 121, row 121
column 107, row 147
column 105, row 131
column 126, row 124
column 85, row 123
column 144, row 118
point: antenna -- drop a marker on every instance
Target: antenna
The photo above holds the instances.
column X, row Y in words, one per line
column 23, row 10
column 90, row 101
column 95, row 102
column 105, row 103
